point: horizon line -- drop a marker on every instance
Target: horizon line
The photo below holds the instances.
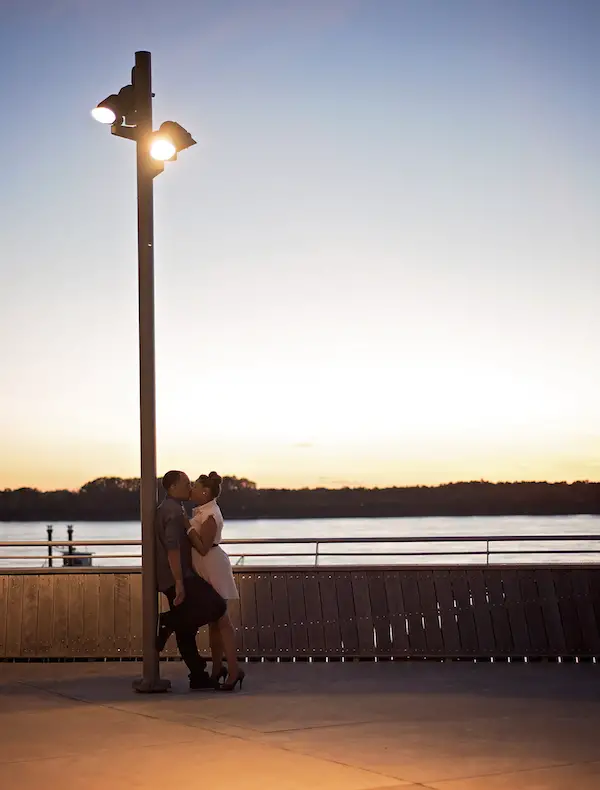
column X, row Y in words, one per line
column 480, row 481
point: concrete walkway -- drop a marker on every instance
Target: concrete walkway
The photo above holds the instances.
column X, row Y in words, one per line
column 354, row 726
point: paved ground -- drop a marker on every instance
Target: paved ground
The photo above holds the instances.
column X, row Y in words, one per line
column 319, row 726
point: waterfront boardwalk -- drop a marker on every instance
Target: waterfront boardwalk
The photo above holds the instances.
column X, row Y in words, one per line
column 356, row 726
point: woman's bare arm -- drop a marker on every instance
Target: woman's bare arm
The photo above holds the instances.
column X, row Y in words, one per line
column 202, row 538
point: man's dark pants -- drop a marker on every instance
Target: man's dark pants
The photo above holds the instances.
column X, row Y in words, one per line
column 202, row 605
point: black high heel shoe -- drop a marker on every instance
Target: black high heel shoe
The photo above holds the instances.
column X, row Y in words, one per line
column 233, row 683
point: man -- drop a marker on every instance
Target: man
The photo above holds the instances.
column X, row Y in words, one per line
column 192, row 601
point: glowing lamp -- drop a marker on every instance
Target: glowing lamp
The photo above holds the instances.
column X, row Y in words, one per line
column 115, row 107
column 170, row 139
column 162, row 149
column 103, row 114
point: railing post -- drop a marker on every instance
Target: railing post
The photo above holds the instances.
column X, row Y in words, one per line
column 317, row 554
column 487, row 552
column 49, row 531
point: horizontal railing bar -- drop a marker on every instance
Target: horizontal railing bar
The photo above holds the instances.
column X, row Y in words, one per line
column 274, row 555
column 432, row 553
column 421, row 539
column 61, row 543
column 75, row 557
column 305, row 569
column 504, row 552
column 395, row 539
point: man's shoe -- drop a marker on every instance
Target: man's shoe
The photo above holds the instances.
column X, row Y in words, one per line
column 203, row 683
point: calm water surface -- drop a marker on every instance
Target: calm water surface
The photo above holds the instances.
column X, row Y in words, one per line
column 347, row 553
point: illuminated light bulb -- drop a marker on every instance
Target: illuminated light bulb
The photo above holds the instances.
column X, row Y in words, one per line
column 104, row 115
column 162, row 149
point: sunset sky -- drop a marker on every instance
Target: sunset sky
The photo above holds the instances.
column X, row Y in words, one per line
column 380, row 265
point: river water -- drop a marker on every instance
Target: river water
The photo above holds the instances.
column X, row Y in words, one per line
column 421, row 529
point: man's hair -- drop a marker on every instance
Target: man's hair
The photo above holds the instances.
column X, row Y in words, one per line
column 170, row 479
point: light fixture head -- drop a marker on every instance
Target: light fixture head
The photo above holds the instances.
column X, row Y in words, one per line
column 115, row 107
column 169, row 140
column 105, row 112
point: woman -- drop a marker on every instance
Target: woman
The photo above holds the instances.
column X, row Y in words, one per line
column 212, row 563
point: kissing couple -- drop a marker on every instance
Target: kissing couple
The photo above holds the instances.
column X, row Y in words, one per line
column 194, row 573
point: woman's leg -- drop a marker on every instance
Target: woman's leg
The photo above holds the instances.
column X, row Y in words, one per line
column 227, row 635
column 216, row 649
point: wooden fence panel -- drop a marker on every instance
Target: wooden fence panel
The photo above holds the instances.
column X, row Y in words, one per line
column 14, row 613
column 91, row 613
column 346, row 613
column 364, row 616
column 264, row 614
column 582, row 595
column 448, row 616
column 75, row 644
column 594, row 590
column 233, row 609
column 414, row 614
column 29, row 616
column 503, row 641
column 4, row 581
column 45, row 616
column 135, row 614
column 331, row 617
column 532, row 611
column 380, row 612
column 281, row 615
column 568, row 611
column 464, row 610
column 516, row 613
column 430, row 615
column 481, row 612
column 106, row 612
column 122, row 596
column 248, row 616
column 398, row 623
column 531, row 598
column 298, row 615
column 551, row 613
column 315, row 619
column 61, row 615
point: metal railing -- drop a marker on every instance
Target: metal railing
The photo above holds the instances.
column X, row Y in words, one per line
column 407, row 550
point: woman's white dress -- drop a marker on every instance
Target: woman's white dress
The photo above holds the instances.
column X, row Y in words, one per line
column 214, row 566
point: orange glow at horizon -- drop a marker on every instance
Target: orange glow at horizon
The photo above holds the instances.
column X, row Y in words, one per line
column 315, row 425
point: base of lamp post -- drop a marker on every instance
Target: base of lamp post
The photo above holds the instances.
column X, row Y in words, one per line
column 158, row 686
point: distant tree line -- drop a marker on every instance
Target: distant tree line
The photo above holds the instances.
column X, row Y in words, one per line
column 117, row 499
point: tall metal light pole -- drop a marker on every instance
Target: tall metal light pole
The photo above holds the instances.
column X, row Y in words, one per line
column 151, row 680
column 130, row 114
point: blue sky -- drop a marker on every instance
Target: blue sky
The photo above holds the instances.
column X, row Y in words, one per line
column 379, row 265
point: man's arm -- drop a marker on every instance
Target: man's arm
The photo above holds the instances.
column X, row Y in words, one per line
column 172, row 540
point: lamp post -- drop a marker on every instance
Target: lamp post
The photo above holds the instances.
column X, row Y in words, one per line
column 130, row 114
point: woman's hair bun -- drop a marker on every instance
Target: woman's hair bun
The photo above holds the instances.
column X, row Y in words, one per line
column 216, row 477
